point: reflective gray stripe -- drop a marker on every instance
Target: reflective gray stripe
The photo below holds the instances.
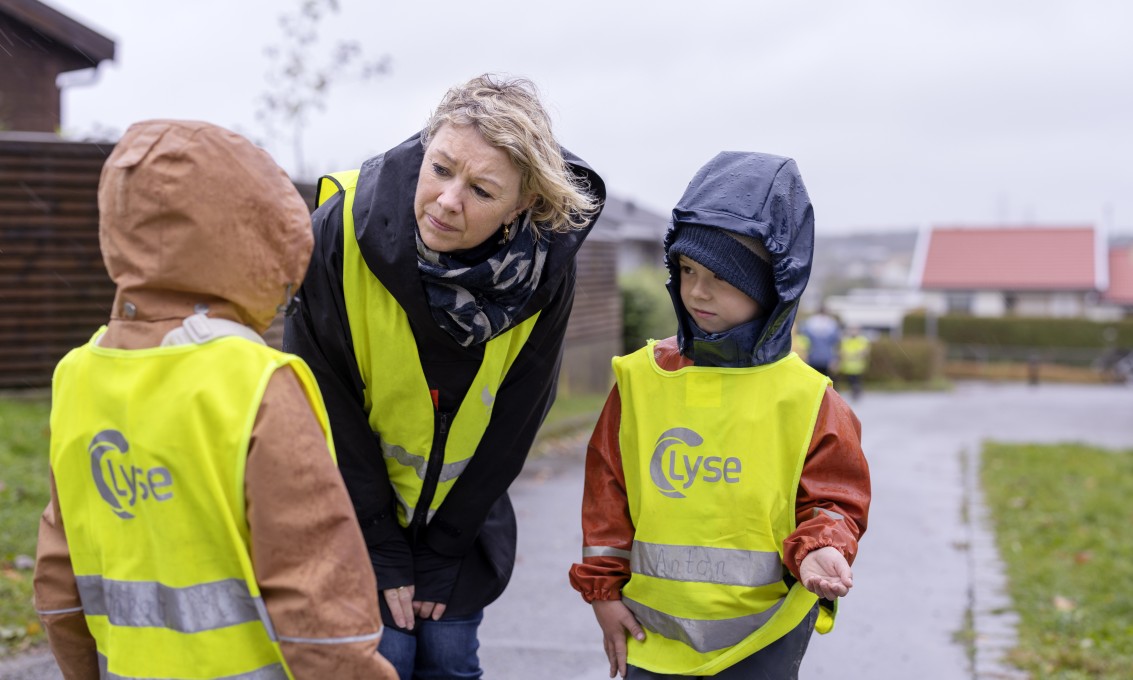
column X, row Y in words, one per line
column 265, row 618
column 706, row 565
column 703, row 635
column 206, row 606
column 273, row 672
column 334, row 640
column 829, row 513
column 50, row 612
column 409, row 509
column 449, row 471
column 604, row 551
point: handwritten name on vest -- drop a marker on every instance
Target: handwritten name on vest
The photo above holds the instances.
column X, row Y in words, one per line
column 684, row 564
column 116, row 480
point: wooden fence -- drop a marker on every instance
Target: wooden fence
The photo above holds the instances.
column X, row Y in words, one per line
column 54, row 290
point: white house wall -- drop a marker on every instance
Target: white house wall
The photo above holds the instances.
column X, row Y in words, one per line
column 988, row 303
column 1066, row 305
column 935, row 302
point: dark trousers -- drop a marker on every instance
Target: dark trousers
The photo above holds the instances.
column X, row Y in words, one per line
column 779, row 660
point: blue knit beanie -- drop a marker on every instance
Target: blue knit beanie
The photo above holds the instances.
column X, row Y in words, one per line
column 740, row 260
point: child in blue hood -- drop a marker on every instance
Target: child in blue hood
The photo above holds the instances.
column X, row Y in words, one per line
column 726, row 488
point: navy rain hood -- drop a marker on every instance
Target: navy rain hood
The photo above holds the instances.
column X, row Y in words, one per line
column 761, row 196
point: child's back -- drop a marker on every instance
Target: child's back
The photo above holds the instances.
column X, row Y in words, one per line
column 198, row 526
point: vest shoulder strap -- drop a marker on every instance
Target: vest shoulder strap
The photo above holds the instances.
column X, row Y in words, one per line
column 335, row 182
column 200, row 328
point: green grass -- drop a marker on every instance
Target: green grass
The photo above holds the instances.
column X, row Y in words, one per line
column 570, row 408
column 569, row 415
column 24, row 492
column 1063, row 519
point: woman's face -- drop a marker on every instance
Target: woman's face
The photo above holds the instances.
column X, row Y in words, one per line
column 467, row 188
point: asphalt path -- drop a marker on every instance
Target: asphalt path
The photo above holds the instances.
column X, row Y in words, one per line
column 927, row 564
column 927, row 578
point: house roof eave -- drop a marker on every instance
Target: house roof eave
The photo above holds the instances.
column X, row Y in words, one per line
column 68, row 33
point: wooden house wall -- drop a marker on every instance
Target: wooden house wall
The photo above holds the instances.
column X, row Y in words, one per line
column 29, row 98
column 54, row 290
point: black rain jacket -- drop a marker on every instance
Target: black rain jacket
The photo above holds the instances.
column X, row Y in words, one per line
column 472, row 536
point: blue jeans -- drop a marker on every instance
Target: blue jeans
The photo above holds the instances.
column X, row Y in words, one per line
column 435, row 650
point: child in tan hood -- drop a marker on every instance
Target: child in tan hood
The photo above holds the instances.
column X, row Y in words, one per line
column 198, row 526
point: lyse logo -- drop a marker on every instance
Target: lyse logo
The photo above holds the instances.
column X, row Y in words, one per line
column 684, row 468
column 117, row 481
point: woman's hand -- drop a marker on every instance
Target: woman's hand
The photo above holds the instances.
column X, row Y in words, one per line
column 826, row 573
column 405, row 609
column 436, row 575
column 616, row 620
column 401, row 605
column 425, row 610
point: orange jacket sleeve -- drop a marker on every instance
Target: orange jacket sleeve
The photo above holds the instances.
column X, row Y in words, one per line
column 832, row 505
column 607, row 531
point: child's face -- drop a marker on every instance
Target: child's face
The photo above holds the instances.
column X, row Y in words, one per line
column 713, row 303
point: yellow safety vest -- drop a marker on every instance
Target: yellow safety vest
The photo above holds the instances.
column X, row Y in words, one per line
column 396, row 396
column 148, row 449
column 854, row 355
column 712, row 460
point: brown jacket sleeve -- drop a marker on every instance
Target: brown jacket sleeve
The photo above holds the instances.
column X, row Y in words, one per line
column 307, row 550
column 831, row 506
column 57, row 598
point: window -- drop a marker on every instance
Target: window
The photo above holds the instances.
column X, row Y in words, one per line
column 958, row 303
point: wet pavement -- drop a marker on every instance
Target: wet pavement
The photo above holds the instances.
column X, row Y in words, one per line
column 927, row 563
column 927, row 579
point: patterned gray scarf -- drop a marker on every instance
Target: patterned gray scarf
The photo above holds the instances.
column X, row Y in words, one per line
column 476, row 303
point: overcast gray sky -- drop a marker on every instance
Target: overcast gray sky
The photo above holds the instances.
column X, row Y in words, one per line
column 900, row 114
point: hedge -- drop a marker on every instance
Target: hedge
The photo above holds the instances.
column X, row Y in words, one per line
column 1031, row 332
column 909, row 360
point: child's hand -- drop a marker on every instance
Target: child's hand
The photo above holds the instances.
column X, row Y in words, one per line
column 826, row 573
column 616, row 619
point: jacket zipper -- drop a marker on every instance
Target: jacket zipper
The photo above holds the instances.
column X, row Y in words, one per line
column 432, row 473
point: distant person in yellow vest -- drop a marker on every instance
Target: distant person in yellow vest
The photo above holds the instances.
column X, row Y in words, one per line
column 726, row 488
column 853, row 359
column 800, row 344
column 198, row 526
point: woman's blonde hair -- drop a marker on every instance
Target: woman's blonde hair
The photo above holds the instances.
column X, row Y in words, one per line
column 508, row 113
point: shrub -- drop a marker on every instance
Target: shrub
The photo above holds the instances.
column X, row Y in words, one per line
column 909, row 360
column 647, row 309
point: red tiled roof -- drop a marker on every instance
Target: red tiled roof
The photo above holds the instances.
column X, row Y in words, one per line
column 1120, row 276
column 1016, row 258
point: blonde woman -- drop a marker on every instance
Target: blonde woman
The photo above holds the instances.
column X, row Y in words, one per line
column 433, row 316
